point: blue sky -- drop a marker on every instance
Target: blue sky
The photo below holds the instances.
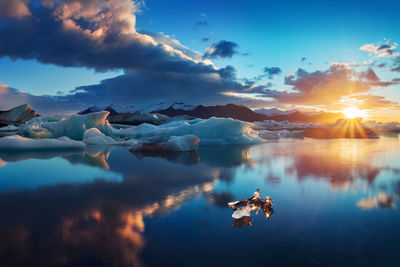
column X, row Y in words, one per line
column 272, row 33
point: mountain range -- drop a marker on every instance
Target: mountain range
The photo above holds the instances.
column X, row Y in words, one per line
column 226, row 111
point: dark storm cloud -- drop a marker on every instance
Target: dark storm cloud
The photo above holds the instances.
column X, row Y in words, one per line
column 222, row 49
column 200, row 88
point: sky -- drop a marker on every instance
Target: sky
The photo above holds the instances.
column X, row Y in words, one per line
column 64, row 55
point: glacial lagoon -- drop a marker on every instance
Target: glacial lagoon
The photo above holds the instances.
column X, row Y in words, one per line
column 335, row 203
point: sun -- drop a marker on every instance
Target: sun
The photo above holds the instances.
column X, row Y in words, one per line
column 353, row 112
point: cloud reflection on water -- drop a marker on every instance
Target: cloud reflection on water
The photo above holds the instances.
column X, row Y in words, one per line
column 104, row 222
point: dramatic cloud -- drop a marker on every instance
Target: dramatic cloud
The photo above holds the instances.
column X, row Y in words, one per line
column 380, row 50
column 97, row 34
column 200, row 88
column 332, row 88
column 222, row 49
column 101, row 34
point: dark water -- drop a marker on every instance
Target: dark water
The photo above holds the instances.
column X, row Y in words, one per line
column 336, row 203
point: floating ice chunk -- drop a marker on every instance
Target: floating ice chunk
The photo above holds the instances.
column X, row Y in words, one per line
column 242, row 211
column 9, row 128
column 94, row 137
column 213, row 131
column 291, row 134
column 182, row 143
column 223, row 131
column 285, row 125
column 269, row 134
column 243, row 208
column 19, row 143
column 161, row 133
column 73, row 126
column 18, row 114
column 174, row 144
column 382, row 127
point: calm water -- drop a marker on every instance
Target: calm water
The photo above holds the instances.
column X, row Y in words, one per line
column 336, row 203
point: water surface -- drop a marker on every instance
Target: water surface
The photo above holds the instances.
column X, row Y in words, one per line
column 336, row 203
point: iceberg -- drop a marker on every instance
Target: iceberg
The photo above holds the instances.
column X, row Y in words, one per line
column 182, row 143
column 19, row 143
column 243, row 208
column 272, row 125
column 174, row 144
column 269, row 134
column 291, row 134
column 382, row 127
column 73, row 127
column 213, row 131
column 93, row 136
column 153, row 133
column 223, row 131
column 17, row 115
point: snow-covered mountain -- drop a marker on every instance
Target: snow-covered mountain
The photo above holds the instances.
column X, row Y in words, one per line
column 224, row 111
column 131, row 109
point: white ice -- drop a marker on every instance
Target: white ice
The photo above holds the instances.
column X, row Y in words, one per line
column 19, row 143
column 94, row 137
column 73, row 126
column 182, row 143
column 213, row 131
column 174, row 144
column 242, row 211
column 269, row 134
